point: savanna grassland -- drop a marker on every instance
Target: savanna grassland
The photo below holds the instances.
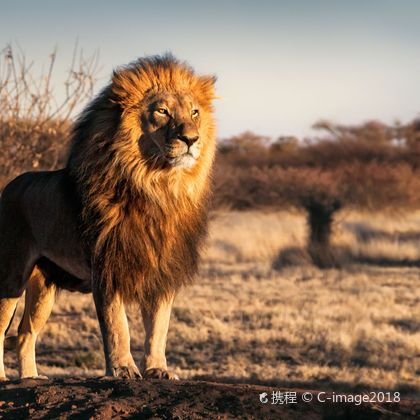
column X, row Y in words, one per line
column 323, row 297
column 262, row 313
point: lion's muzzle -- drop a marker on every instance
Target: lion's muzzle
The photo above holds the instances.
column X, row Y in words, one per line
column 184, row 151
column 189, row 140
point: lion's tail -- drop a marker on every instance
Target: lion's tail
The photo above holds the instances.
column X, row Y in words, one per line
column 10, row 343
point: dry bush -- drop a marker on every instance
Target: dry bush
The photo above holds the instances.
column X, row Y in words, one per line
column 372, row 186
column 34, row 126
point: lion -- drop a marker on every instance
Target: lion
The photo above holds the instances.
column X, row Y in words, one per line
column 124, row 219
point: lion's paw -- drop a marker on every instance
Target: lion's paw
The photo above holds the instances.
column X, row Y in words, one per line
column 3, row 379
column 159, row 373
column 128, row 372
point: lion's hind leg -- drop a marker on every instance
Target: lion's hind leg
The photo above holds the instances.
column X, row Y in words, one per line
column 39, row 300
column 15, row 267
column 7, row 309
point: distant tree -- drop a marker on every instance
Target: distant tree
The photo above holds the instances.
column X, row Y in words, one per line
column 410, row 133
column 244, row 143
column 374, row 132
column 285, row 144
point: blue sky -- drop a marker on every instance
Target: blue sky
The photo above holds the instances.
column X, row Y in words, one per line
column 281, row 65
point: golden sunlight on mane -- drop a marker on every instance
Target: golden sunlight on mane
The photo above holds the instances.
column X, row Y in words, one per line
column 124, row 192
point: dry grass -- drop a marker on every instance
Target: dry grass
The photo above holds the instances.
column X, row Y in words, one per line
column 354, row 327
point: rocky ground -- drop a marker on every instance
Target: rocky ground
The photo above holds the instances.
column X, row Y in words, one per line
column 108, row 398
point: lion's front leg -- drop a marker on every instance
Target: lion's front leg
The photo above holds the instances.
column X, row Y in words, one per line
column 156, row 324
column 114, row 328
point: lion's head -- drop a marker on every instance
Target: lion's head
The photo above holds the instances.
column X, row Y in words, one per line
column 166, row 109
column 154, row 119
column 170, row 123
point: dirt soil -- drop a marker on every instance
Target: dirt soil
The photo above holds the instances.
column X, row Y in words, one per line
column 109, row 398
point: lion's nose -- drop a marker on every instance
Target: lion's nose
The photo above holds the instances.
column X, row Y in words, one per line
column 190, row 140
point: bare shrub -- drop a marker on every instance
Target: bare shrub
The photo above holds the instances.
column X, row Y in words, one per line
column 34, row 126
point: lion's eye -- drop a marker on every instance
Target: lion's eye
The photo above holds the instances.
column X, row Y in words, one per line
column 162, row 111
column 194, row 113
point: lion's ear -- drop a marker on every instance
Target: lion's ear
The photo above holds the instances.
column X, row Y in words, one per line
column 126, row 86
column 206, row 87
column 120, row 84
column 118, row 80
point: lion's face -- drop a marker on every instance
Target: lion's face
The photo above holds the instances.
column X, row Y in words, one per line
column 170, row 126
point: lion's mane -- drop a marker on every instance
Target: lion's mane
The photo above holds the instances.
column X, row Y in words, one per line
column 144, row 221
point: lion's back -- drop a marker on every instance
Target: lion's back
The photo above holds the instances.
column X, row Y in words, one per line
column 33, row 191
column 39, row 202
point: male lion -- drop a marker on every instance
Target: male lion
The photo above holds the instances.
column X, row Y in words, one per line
column 123, row 219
